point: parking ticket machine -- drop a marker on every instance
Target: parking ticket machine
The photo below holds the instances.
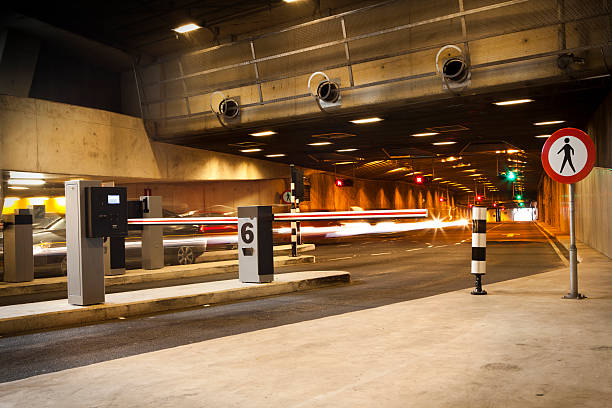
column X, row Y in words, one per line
column 93, row 213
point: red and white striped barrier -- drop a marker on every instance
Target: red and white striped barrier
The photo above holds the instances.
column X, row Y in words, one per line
column 305, row 216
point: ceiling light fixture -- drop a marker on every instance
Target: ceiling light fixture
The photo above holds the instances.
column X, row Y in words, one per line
column 18, row 188
column 347, row 162
column 250, row 150
column 513, row 102
column 550, row 122
column 366, row 120
column 542, row 136
column 186, row 28
column 345, row 150
column 443, row 143
column 468, row 170
column 276, row 155
column 25, row 175
column 437, row 178
column 319, row 143
column 25, row 182
column 425, row 134
column 475, row 175
column 264, row 133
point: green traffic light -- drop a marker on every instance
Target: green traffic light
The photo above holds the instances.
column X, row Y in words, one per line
column 519, row 197
column 511, row 175
column 522, row 204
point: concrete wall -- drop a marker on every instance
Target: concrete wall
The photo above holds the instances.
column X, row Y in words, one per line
column 594, row 210
column 216, row 196
column 49, row 137
column 553, row 206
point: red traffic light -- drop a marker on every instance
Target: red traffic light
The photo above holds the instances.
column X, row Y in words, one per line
column 442, row 199
column 418, row 179
column 344, row 182
column 478, row 198
column 471, row 205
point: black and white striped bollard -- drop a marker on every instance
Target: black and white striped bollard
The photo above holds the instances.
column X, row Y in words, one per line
column 293, row 223
column 479, row 247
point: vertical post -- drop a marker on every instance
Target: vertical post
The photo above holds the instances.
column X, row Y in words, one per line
column 297, row 223
column 85, row 255
column 18, row 256
column 152, row 241
column 255, row 259
column 573, row 294
column 293, row 224
column 479, row 247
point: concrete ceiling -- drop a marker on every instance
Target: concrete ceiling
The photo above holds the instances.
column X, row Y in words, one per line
column 387, row 149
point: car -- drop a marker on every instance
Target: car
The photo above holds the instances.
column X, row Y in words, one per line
column 182, row 245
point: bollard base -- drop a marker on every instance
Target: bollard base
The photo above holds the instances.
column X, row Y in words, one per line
column 576, row 296
column 478, row 290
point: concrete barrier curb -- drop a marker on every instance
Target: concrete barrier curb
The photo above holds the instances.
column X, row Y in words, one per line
column 230, row 254
column 141, row 276
column 75, row 315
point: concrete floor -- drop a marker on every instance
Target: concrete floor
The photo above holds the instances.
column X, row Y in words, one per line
column 521, row 345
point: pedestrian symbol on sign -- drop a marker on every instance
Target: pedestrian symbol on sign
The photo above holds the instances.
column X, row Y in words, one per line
column 568, row 150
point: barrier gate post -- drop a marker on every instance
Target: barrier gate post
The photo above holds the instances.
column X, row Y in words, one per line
column 255, row 259
column 479, row 247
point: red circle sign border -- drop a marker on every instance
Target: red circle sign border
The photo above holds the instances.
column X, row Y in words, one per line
column 282, row 195
column 588, row 142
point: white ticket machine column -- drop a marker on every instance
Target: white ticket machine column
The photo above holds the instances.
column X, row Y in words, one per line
column 255, row 259
column 92, row 213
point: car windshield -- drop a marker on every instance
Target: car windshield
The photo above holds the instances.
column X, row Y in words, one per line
column 47, row 222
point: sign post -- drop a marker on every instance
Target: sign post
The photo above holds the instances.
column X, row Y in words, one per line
column 568, row 156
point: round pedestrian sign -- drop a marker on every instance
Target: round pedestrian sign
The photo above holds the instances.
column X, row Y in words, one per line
column 286, row 197
column 568, row 155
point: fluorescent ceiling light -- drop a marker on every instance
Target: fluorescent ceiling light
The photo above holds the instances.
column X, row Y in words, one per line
column 366, row 120
column 319, row 143
column 399, row 169
column 437, row 178
column 25, row 182
column 276, row 155
column 18, row 188
column 513, row 102
column 25, row 175
column 290, row 1
column 264, row 133
column 551, row 122
column 443, row 143
column 542, row 136
column 186, row 28
column 345, row 150
column 425, row 134
column 475, row 175
column 512, row 151
column 468, row 170
column 250, row 150
column 348, row 162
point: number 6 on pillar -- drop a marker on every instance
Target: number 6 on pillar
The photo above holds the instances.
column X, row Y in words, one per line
column 255, row 259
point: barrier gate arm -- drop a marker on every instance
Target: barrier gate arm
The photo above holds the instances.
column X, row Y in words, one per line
column 304, row 216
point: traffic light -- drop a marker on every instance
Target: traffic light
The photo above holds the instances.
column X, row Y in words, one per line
column 522, row 204
column 511, row 176
column 519, row 197
column 419, row 179
column 471, row 205
column 442, row 199
column 344, row 182
column 478, row 198
column 494, row 204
